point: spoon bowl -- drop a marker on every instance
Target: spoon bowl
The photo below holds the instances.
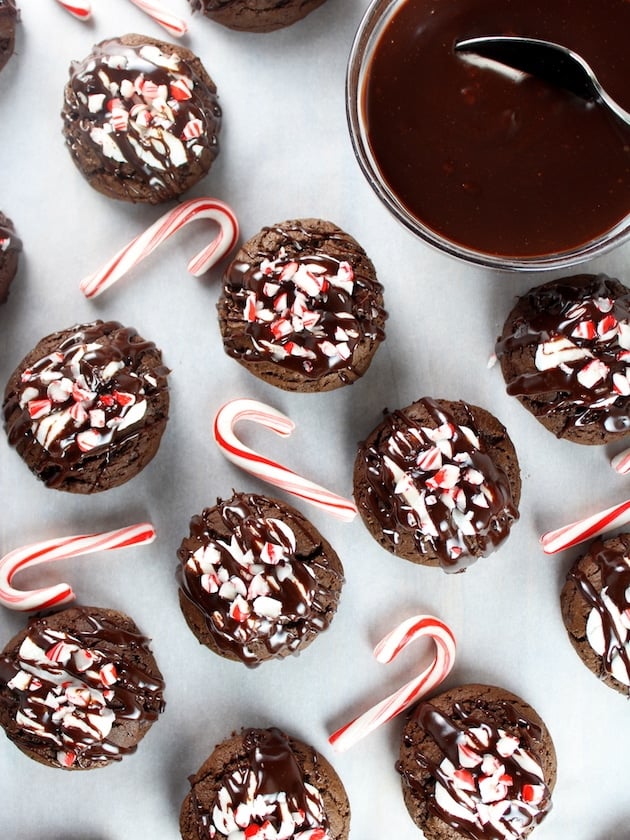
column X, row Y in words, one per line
column 546, row 60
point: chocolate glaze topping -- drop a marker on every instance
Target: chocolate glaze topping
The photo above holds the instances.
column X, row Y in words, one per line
column 492, row 777
column 613, row 567
column 256, row 585
column 143, row 109
column 302, row 307
column 407, row 488
column 71, row 688
column 86, row 396
column 592, row 314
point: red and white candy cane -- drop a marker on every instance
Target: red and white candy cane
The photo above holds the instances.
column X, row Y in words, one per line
column 145, row 243
column 621, row 462
column 81, row 9
column 266, row 469
column 386, row 651
column 173, row 24
column 60, row 549
column 586, row 529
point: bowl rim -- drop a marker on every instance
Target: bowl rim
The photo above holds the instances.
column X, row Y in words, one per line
column 371, row 26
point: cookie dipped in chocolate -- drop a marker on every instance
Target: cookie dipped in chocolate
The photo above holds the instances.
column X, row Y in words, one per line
column 79, row 689
column 86, row 408
column 438, row 483
column 257, row 580
column 141, row 119
column 564, row 354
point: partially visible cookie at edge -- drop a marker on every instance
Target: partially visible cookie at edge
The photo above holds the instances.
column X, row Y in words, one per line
column 269, row 778
column 301, row 306
column 480, row 759
column 10, row 248
column 9, row 16
column 255, row 15
column 595, row 604
column 438, row 483
column 79, row 689
column 564, row 354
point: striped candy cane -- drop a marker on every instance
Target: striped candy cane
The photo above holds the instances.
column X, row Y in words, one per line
column 60, row 549
column 173, row 24
column 145, row 243
column 81, row 9
column 386, row 651
column 621, row 462
column 264, row 468
column 586, row 529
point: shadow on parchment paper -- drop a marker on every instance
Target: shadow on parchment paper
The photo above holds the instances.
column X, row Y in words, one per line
column 618, row 831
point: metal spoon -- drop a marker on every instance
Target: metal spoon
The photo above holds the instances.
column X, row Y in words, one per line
column 546, row 60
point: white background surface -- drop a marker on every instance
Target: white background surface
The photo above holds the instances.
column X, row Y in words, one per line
column 285, row 153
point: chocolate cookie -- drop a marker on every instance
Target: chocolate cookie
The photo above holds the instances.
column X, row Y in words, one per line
column 264, row 778
column 301, row 307
column 438, row 483
column 255, row 15
column 141, row 119
column 595, row 602
column 476, row 762
column 257, row 580
column 10, row 247
column 9, row 16
column 79, row 689
column 564, row 354
column 86, row 408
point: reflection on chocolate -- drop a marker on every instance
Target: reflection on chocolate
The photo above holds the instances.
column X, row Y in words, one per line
column 509, row 167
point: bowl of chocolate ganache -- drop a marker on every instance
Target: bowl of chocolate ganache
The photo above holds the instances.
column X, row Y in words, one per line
column 488, row 164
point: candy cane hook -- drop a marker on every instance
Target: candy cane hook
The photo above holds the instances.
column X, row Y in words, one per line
column 386, row 651
column 60, row 549
column 168, row 224
column 264, row 468
column 585, row 529
column 81, row 9
column 173, row 24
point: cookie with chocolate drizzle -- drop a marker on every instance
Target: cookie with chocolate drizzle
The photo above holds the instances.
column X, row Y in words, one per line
column 87, row 407
column 79, row 689
column 141, row 119
column 595, row 603
column 265, row 779
column 256, row 579
column 301, row 307
column 477, row 761
column 438, row 483
column 10, row 248
column 564, row 353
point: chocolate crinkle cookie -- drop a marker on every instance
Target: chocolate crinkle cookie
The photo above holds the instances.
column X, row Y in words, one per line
column 87, row 407
column 595, row 602
column 564, row 354
column 79, row 689
column 301, row 307
column 257, row 580
column 10, row 247
column 477, row 762
column 255, row 15
column 141, row 119
column 438, row 483
column 264, row 783
column 9, row 16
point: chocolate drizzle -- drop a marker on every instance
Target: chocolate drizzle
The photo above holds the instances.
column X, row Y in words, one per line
column 586, row 319
column 613, row 571
column 311, row 328
column 440, row 485
column 489, row 782
column 72, row 690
